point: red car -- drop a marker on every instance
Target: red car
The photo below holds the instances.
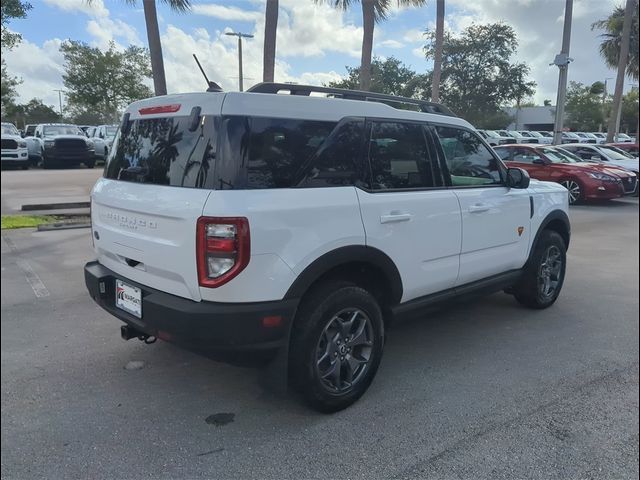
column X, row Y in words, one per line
column 585, row 181
column 628, row 147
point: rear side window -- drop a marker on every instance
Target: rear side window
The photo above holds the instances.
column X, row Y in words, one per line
column 279, row 148
column 264, row 153
column 399, row 157
column 163, row 151
column 469, row 161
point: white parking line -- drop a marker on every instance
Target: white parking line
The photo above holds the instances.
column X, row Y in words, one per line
column 38, row 287
column 34, row 281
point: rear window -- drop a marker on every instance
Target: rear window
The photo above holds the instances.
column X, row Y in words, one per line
column 163, row 151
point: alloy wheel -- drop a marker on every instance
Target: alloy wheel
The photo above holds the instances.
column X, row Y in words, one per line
column 550, row 271
column 344, row 350
column 575, row 192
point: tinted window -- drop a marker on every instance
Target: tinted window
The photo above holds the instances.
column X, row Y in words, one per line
column 337, row 162
column 503, row 153
column 399, row 157
column 279, row 148
column 163, row 151
column 468, row 160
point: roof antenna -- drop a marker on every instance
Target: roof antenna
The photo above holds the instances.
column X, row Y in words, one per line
column 211, row 86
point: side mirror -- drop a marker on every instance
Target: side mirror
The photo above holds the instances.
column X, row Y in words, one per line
column 538, row 161
column 517, row 178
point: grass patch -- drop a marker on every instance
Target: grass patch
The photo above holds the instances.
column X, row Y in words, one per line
column 26, row 221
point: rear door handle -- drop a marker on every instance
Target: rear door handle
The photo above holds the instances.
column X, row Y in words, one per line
column 479, row 208
column 395, row 217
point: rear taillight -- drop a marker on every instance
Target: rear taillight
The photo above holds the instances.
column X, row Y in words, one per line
column 223, row 248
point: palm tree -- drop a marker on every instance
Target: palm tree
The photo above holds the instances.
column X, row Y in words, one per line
column 270, row 30
column 437, row 61
column 612, row 39
column 372, row 11
column 153, row 36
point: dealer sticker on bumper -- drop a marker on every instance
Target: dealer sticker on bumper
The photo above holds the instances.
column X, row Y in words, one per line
column 129, row 298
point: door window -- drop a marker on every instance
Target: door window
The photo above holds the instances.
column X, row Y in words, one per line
column 399, row 157
column 469, row 161
column 524, row 155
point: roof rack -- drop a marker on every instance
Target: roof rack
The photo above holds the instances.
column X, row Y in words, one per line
column 306, row 90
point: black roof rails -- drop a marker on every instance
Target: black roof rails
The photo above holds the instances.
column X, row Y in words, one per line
column 305, row 90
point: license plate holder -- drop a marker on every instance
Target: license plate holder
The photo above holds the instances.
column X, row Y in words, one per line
column 129, row 298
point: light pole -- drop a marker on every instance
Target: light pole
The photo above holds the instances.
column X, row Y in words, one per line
column 60, row 92
column 562, row 61
column 240, row 37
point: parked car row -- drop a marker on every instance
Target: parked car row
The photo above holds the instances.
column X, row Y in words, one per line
column 587, row 171
column 56, row 145
column 505, row 137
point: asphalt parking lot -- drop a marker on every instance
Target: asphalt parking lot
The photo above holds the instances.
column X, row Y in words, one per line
column 482, row 390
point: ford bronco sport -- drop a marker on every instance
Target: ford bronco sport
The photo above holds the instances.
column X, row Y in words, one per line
column 301, row 221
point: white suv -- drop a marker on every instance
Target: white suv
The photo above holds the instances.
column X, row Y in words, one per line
column 302, row 226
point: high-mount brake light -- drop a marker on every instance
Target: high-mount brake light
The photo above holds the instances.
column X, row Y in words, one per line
column 172, row 108
column 223, row 249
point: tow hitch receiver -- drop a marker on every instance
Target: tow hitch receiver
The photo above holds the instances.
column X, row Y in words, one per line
column 127, row 333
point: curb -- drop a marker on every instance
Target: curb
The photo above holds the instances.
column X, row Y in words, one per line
column 54, row 206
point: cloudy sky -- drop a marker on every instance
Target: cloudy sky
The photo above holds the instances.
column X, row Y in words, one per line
column 315, row 43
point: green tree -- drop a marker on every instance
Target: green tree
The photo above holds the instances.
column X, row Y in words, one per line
column 389, row 76
column 8, row 86
column 583, row 108
column 12, row 9
column 629, row 115
column 478, row 76
column 104, row 81
column 373, row 11
column 153, row 37
column 34, row 111
column 612, row 39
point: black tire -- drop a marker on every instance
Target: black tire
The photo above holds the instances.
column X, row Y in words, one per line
column 90, row 163
column 46, row 163
column 576, row 190
column 24, row 167
column 319, row 319
column 533, row 291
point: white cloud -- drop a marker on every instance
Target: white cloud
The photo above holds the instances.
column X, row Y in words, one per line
column 105, row 30
column 226, row 13
column 95, row 9
column 413, row 35
column 310, row 30
column 39, row 78
column 391, row 44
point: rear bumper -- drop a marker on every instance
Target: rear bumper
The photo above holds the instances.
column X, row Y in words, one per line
column 204, row 327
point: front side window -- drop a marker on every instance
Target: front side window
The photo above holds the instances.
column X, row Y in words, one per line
column 163, row 151
column 399, row 157
column 469, row 161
